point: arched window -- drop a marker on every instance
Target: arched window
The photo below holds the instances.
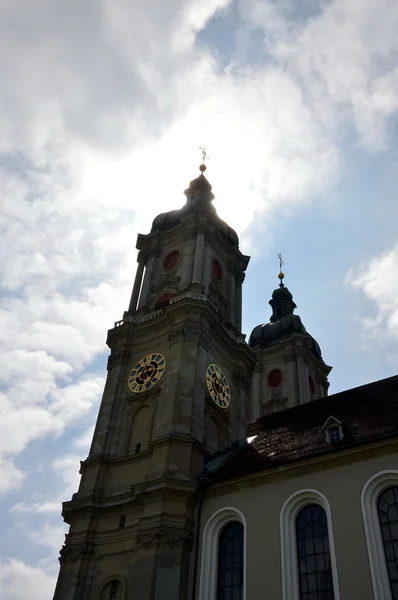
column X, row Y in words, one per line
column 163, row 301
column 313, row 554
column 113, row 590
column 223, row 560
column 309, row 570
column 377, row 531
column 387, row 508
column 230, row 562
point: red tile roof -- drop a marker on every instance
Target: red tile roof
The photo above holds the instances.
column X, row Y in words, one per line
column 369, row 413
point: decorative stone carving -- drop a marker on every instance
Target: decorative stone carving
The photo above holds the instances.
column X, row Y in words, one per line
column 276, row 402
column 197, row 334
column 163, row 534
column 117, row 358
column 167, row 282
column 189, row 234
column 74, row 552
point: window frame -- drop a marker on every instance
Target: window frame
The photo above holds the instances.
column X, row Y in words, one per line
column 370, row 494
column 120, row 579
column 209, row 553
column 289, row 559
column 332, row 422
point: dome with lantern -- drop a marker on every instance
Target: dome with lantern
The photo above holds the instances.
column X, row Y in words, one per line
column 198, row 194
column 283, row 323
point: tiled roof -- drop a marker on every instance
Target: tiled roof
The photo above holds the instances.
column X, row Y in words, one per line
column 368, row 413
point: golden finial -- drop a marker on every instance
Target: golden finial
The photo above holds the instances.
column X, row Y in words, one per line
column 281, row 274
column 203, row 167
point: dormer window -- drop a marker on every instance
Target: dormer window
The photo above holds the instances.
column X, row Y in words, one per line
column 333, row 434
column 333, row 429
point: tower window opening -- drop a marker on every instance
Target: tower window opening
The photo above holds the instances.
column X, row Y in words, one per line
column 163, row 301
column 113, row 590
column 311, row 384
column 137, row 448
column 122, row 521
column 217, row 269
column 275, row 378
column 171, row 260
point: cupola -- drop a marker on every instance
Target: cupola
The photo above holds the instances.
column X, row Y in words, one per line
column 290, row 369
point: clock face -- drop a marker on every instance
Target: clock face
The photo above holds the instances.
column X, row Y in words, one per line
column 218, row 386
column 147, row 373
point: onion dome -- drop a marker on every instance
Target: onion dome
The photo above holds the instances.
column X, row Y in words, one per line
column 198, row 194
column 283, row 323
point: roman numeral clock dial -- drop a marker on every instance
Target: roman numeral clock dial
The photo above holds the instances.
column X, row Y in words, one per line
column 147, row 373
column 218, row 386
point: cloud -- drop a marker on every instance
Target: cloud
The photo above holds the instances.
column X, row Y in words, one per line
column 11, row 476
column 16, row 577
column 378, row 280
column 350, row 84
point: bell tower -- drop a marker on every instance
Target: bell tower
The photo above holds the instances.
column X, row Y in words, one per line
column 290, row 369
column 177, row 390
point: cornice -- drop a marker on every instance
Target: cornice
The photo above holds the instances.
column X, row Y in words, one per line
column 94, row 504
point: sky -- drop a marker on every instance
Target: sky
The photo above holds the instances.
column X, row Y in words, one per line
column 103, row 107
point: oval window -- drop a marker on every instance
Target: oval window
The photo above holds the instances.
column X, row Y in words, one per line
column 163, row 301
column 311, row 383
column 275, row 378
column 217, row 269
column 171, row 260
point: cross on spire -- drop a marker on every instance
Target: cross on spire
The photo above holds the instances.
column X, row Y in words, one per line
column 204, row 157
column 281, row 273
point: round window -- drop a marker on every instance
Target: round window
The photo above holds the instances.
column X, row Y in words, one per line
column 217, row 269
column 171, row 260
column 311, row 383
column 275, row 378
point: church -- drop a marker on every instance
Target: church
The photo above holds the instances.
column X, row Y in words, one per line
column 220, row 469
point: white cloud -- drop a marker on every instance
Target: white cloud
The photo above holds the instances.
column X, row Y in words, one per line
column 344, row 58
column 16, row 577
column 11, row 476
column 378, row 280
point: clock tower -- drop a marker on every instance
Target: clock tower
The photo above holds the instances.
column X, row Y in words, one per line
column 177, row 390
